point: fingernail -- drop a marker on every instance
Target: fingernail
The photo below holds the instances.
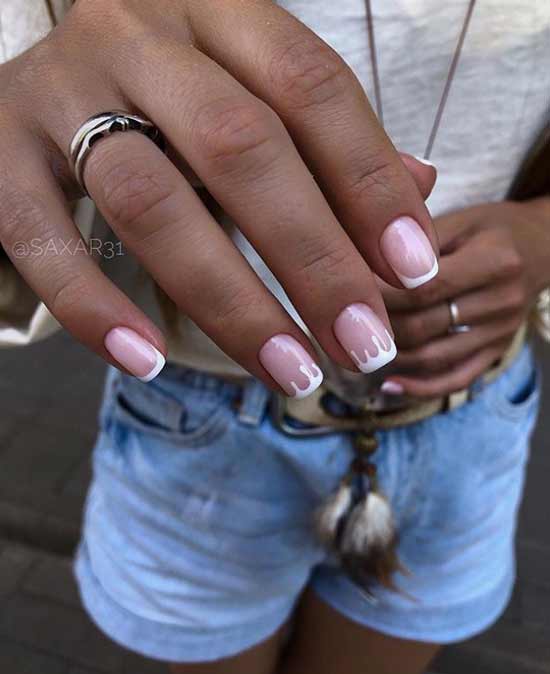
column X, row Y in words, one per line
column 426, row 162
column 291, row 366
column 409, row 253
column 134, row 353
column 363, row 335
column 392, row 388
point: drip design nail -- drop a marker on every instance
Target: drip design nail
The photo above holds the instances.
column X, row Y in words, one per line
column 365, row 338
column 291, row 366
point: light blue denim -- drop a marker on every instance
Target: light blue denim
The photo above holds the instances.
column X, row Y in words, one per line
column 198, row 539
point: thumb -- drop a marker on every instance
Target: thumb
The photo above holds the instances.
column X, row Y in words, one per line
column 424, row 173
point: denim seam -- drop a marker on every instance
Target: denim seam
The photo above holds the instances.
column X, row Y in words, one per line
column 214, row 428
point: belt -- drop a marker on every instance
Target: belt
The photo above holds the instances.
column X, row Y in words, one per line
column 311, row 417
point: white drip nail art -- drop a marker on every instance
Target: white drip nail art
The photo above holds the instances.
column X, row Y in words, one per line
column 365, row 338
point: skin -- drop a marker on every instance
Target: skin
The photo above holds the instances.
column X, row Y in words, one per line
column 494, row 263
column 246, row 96
column 325, row 642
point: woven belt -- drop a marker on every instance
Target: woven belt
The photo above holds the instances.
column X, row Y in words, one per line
column 314, row 419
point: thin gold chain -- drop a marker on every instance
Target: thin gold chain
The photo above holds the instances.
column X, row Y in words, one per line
column 448, row 82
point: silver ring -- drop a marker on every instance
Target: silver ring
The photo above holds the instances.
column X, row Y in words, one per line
column 101, row 126
column 456, row 327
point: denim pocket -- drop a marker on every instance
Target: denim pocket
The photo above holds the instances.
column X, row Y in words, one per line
column 193, row 419
column 516, row 393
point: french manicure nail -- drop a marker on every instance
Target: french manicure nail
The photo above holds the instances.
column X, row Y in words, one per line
column 426, row 162
column 291, row 366
column 134, row 353
column 392, row 388
column 409, row 252
column 366, row 339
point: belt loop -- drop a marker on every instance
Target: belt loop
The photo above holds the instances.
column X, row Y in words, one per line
column 253, row 403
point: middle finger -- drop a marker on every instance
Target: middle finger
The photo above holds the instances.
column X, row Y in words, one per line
column 244, row 155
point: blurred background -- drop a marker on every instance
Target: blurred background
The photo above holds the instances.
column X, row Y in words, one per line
column 49, row 395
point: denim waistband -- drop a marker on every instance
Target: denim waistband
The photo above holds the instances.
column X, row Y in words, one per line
column 166, row 397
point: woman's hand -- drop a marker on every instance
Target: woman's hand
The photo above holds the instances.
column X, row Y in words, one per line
column 495, row 260
column 276, row 127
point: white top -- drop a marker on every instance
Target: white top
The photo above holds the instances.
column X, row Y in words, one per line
column 498, row 103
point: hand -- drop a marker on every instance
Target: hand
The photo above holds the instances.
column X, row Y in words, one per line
column 256, row 105
column 495, row 260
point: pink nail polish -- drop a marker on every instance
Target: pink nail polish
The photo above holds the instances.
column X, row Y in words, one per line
column 363, row 335
column 409, row 252
column 291, row 366
column 392, row 388
column 134, row 353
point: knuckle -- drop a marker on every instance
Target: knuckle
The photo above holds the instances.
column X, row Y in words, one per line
column 510, row 263
column 35, row 75
column 23, row 215
column 71, row 290
column 131, row 193
column 233, row 133
column 239, row 309
column 90, row 16
column 307, row 73
column 325, row 259
column 372, row 177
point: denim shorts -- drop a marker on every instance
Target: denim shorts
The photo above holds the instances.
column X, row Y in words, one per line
column 198, row 537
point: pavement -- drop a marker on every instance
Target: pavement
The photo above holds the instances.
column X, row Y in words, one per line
column 49, row 394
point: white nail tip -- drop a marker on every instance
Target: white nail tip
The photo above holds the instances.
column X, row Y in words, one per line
column 426, row 162
column 373, row 363
column 411, row 283
column 161, row 362
column 392, row 388
column 315, row 380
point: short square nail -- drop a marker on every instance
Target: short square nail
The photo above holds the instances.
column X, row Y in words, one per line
column 426, row 162
column 365, row 338
column 392, row 388
column 291, row 366
column 409, row 252
column 134, row 353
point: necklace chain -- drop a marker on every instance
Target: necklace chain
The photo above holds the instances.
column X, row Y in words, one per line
column 448, row 82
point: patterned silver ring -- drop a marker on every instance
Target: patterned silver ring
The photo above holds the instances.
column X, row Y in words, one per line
column 456, row 327
column 101, row 126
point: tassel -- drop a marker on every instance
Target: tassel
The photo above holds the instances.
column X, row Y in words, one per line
column 330, row 515
column 369, row 541
column 370, row 526
column 357, row 525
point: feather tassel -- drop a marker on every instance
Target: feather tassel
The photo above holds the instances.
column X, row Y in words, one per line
column 370, row 526
column 331, row 514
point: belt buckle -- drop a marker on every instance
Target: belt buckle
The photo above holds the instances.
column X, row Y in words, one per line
column 316, row 419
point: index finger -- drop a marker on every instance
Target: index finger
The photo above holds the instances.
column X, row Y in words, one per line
column 325, row 109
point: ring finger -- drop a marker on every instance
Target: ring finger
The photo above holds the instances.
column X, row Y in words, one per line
column 245, row 157
column 440, row 354
column 415, row 328
column 158, row 216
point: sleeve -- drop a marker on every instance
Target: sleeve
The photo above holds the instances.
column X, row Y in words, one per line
column 23, row 318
